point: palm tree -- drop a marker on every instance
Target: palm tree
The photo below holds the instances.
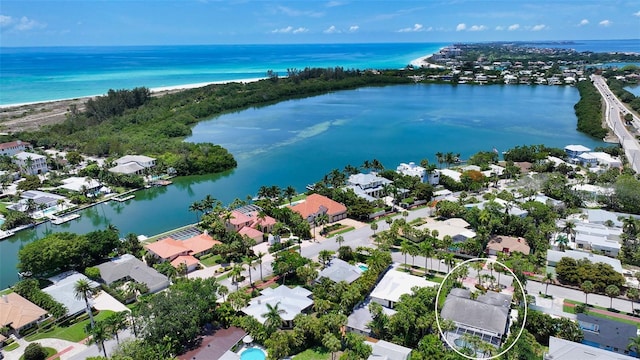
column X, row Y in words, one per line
column 235, row 274
column 273, row 319
column 548, row 278
column 440, row 158
column 612, row 291
column 223, row 291
column 99, row 334
column 404, row 250
column 634, row 344
column 562, row 241
column 587, row 288
column 332, row 344
column 289, row 193
column 117, row 322
column 340, row 240
column 478, row 266
column 196, row 207
column 449, row 260
column 569, row 228
column 633, row 295
column 426, row 250
column 82, row 290
column 259, row 257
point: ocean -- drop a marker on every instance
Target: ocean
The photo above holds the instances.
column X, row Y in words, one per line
column 33, row 74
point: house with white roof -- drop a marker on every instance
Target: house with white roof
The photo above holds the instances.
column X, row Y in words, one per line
column 339, row 270
column 554, row 256
column 368, row 186
column 420, row 172
column 40, row 199
column 606, row 160
column 290, row 302
column 573, row 151
column 456, row 228
column 30, row 163
column 395, row 284
column 384, row 350
column 81, row 184
column 455, row 175
column 570, row 350
column 133, row 164
column 62, row 291
column 598, row 237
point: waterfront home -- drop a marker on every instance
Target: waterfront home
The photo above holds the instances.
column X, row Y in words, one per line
column 30, row 163
column 84, row 185
column 569, row 350
column 368, row 186
column 13, row 147
column 339, row 270
column 395, row 284
column 486, row 317
column 607, row 334
column 605, row 160
column 315, row 204
column 218, row 345
column 18, row 313
column 506, row 245
column 133, row 164
column 37, row 198
column 290, row 301
column 62, row 291
column 573, row 151
column 384, row 350
column 251, row 221
column 455, row 175
column 127, row 267
column 179, row 252
column 411, row 169
column 553, row 257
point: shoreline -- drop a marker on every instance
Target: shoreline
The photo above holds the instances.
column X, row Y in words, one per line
column 421, row 62
column 154, row 91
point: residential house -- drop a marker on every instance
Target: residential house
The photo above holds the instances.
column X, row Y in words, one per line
column 384, row 350
column 339, row 270
column 420, row 172
column 182, row 251
column 368, row 186
column 39, row 199
column 394, row 284
column 358, row 321
column 290, row 301
column 84, row 185
column 553, row 257
column 573, row 151
column 561, row 349
column 315, row 205
column 62, row 291
column 506, row 245
column 598, row 237
column 509, row 207
column 605, row 160
column 18, row 313
column 30, row 163
column 133, row 164
column 455, row 175
column 486, row 317
column 129, row 268
column 456, row 228
column 218, row 345
column 248, row 220
column 607, row 334
column 13, row 147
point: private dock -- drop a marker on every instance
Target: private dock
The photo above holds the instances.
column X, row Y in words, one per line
column 124, row 198
column 64, row 219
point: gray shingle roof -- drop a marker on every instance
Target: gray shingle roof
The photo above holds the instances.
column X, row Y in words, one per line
column 610, row 333
column 480, row 314
column 129, row 265
column 340, row 270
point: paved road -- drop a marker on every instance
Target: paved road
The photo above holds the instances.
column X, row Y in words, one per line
column 613, row 109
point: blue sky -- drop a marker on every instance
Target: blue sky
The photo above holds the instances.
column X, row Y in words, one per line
column 156, row 22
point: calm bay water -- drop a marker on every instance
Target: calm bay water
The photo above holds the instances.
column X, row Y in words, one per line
column 296, row 142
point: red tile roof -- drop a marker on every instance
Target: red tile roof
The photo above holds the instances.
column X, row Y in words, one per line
column 200, row 243
column 251, row 232
column 17, row 311
column 239, row 218
column 499, row 243
column 188, row 260
column 312, row 204
column 12, row 144
column 167, row 248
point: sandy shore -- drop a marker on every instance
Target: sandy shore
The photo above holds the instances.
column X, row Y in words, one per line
column 33, row 115
column 422, row 62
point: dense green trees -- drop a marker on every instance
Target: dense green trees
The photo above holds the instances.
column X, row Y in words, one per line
column 589, row 110
column 30, row 290
column 572, row 272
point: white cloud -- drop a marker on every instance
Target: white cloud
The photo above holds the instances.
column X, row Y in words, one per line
column 354, row 28
column 637, row 13
column 430, row 28
column 333, row 4
column 539, row 27
column 583, row 22
column 5, row 20
column 415, row 28
column 293, row 12
column 513, row 27
column 300, row 30
column 605, row 23
column 499, row 28
column 478, row 28
column 288, row 29
column 461, row 26
column 332, row 30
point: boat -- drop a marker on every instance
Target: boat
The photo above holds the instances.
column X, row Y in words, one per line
column 64, row 219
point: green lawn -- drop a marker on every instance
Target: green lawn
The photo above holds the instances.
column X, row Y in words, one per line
column 341, row 231
column 571, row 310
column 73, row 333
column 3, row 206
column 6, row 291
column 11, row 347
column 315, row 353
column 211, row 261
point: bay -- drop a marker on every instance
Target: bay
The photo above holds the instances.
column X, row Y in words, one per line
column 296, row 142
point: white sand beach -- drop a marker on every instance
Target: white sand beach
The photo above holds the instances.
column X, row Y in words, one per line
column 422, row 62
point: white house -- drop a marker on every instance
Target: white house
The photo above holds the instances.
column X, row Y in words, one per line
column 14, row 147
column 412, row 169
column 133, row 164
column 450, row 173
column 80, row 184
column 30, row 163
column 606, row 160
column 394, row 284
column 290, row 302
column 573, row 151
column 368, row 186
column 598, row 237
column 384, row 350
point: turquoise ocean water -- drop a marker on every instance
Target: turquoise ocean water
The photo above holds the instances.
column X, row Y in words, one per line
column 296, row 142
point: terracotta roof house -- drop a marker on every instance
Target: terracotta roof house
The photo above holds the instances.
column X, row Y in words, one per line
column 507, row 244
column 252, row 233
column 14, row 147
column 238, row 220
column 19, row 313
column 246, row 221
column 169, row 249
column 316, row 204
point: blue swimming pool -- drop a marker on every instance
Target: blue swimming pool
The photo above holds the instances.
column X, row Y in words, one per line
column 253, row 354
column 363, row 267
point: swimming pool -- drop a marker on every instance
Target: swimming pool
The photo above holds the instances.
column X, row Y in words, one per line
column 363, row 267
column 253, row 354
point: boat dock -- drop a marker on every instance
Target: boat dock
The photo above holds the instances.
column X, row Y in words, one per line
column 124, row 198
column 64, row 219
